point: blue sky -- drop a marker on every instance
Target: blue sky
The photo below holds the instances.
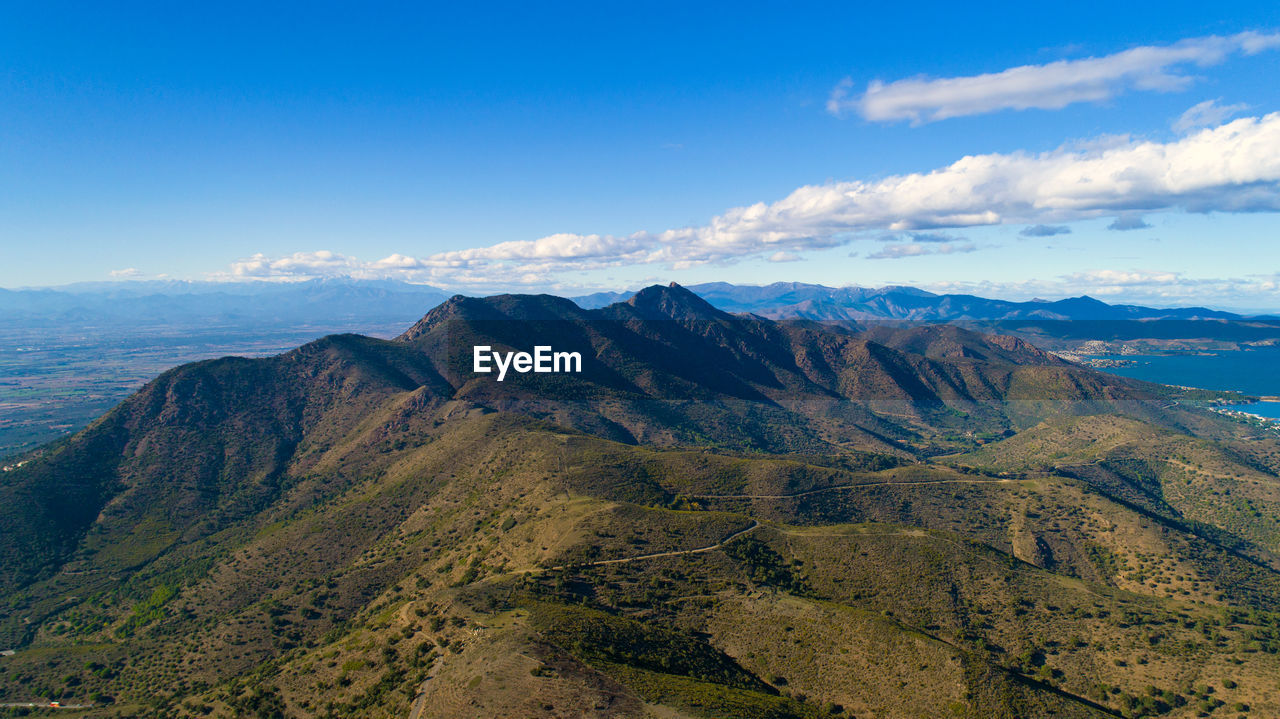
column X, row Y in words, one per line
column 571, row 147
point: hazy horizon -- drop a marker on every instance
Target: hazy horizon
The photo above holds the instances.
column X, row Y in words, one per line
column 578, row 292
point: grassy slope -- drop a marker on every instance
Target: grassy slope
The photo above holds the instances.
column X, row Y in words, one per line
column 341, row 532
column 924, row 590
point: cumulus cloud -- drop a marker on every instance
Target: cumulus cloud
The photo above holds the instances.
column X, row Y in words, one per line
column 1045, row 230
column 1234, row 167
column 298, row 265
column 127, row 273
column 1125, row 223
column 1207, row 114
column 327, row 264
column 1050, row 86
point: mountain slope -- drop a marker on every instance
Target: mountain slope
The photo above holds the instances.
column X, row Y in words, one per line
column 205, row 439
column 719, row 515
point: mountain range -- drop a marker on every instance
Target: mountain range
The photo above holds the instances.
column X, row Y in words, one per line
column 324, row 301
column 720, row 515
column 782, row 300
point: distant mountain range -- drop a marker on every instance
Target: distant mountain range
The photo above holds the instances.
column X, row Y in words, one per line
column 260, row 304
column 389, row 302
column 783, row 300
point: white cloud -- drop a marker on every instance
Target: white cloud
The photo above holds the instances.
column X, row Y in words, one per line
column 1234, row 167
column 1207, row 114
column 299, row 265
column 1156, row 287
column 1125, row 278
column 127, row 273
column 1050, row 86
column 916, row 249
column 784, row 257
column 1231, row 168
column 552, row 247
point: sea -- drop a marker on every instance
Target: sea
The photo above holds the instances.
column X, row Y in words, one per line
column 1254, row 371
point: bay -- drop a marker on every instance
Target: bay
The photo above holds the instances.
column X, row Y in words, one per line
column 1253, row 371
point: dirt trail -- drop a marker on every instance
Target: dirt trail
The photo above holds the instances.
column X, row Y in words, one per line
column 755, row 524
column 420, row 702
column 674, row 553
column 845, row 487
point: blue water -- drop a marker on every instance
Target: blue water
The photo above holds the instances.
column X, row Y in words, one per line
column 1252, row 371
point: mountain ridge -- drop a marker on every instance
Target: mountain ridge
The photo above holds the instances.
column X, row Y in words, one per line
column 139, row 303
column 722, row 513
column 682, row 347
column 895, row 302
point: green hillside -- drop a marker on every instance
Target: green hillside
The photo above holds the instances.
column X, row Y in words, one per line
column 721, row 516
